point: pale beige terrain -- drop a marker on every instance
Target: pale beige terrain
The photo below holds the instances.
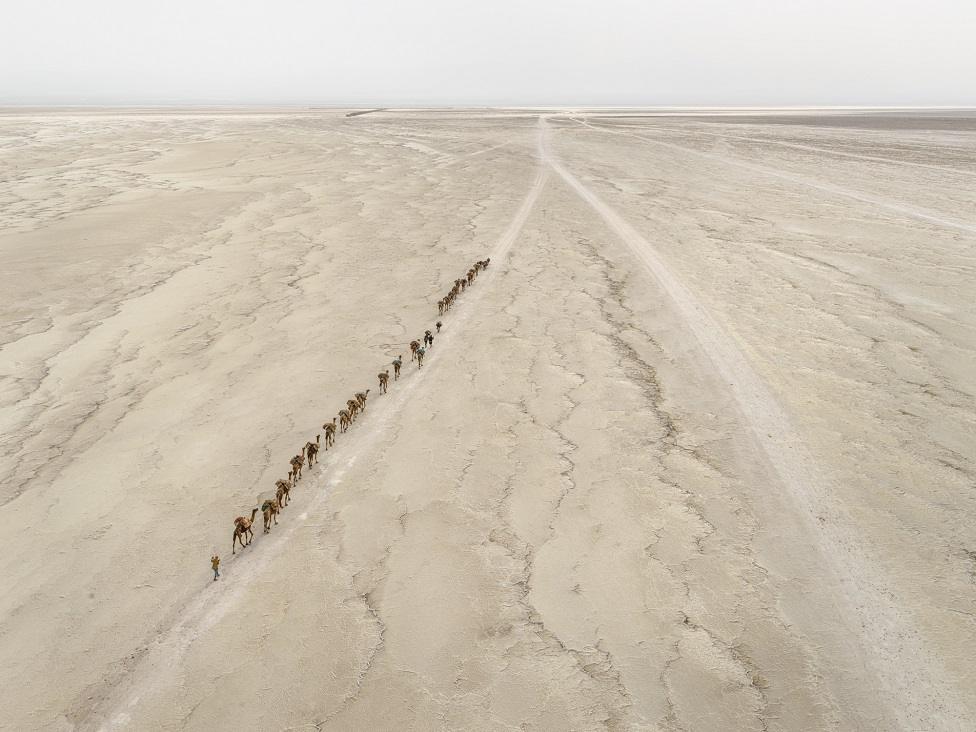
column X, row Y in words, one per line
column 695, row 453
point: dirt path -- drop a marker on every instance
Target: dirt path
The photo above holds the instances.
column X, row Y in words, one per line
column 159, row 663
column 917, row 686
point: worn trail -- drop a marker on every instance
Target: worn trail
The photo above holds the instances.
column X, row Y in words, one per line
column 917, row 685
column 159, row 662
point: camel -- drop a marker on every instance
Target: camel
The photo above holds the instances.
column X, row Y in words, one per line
column 270, row 510
column 384, row 377
column 470, row 276
column 344, row 420
column 311, row 451
column 353, row 408
column 414, row 345
column 440, row 307
column 397, row 363
column 361, row 399
column 296, row 463
column 330, row 428
column 283, row 493
column 242, row 531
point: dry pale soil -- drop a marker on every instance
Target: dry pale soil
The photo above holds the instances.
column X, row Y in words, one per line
column 696, row 452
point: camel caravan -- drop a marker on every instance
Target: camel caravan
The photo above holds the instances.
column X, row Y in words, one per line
column 460, row 285
column 355, row 407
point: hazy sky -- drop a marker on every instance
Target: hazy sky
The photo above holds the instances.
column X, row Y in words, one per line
column 635, row 52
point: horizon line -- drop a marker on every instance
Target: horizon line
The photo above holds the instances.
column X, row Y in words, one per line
column 519, row 107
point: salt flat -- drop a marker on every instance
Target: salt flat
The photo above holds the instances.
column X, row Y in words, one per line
column 695, row 453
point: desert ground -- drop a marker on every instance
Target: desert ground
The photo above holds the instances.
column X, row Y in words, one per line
column 696, row 452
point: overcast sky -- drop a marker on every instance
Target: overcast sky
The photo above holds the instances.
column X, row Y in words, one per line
column 519, row 52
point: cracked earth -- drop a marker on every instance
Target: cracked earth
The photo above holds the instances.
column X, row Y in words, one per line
column 571, row 518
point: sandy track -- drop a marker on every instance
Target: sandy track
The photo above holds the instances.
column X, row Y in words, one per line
column 917, row 686
column 160, row 662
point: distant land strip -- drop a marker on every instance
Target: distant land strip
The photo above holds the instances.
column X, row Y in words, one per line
column 365, row 111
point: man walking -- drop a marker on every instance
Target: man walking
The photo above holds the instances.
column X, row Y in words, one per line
column 397, row 363
column 215, row 563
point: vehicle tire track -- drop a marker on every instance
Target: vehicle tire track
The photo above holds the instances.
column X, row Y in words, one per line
column 919, row 693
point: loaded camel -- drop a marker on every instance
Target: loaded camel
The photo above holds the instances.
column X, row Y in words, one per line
column 330, row 428
column 344, row 420
column 384, row 377
column 311, row 451
column 270, row 510
column 296, row 468
column 353, row 408
column 361, row 399
column 242, row 531
column 283, row 493
column 414, row 345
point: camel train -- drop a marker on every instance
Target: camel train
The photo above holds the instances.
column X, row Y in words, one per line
column 271, row 507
